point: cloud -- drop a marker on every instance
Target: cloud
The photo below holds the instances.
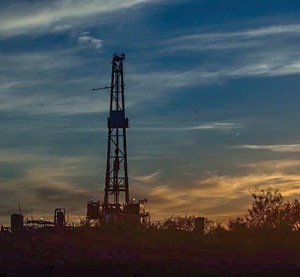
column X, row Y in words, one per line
column 274, row 165
column 26, row 87
column 222, row 196
column 216, row 126
column 46, row 106
column 163, row 83
column 265, row 67
column 86, row 39
column 20, row 17
column 288, row 148
column 152, row 157
column 148, row 178
column 61, row 28
column 204, row 126
column 230, row 40
column 45, row 184
column 218, row 195
column 261, row 52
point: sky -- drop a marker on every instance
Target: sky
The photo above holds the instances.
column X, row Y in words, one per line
column 211, row 91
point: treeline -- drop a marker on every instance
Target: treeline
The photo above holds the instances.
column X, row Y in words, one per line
column 263, row 242
column 269, row 213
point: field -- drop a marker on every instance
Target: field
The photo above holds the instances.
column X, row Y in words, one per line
column 112, row 252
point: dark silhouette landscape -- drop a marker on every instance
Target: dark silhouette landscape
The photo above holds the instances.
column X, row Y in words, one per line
column 263, row 242
column 117, row 114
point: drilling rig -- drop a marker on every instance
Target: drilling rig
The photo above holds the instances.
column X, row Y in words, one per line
column 117, row 205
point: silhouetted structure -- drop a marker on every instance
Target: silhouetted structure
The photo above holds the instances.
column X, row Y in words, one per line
column 16, row 222
column 93, row 210
column 116, row 179
column 38, row 223
column 60, row 218
column 116, row 204
column 199, row 224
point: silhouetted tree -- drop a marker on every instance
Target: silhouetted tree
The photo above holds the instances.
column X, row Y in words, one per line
column 212, row 227
column 269, row 212
column 186, row 223
column 238, row 224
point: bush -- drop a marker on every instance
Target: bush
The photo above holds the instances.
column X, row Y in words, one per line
column 269, row 213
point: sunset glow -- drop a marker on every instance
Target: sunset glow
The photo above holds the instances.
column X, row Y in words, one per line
column 212, row 94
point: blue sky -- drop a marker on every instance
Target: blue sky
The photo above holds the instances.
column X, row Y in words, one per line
column 212, row 93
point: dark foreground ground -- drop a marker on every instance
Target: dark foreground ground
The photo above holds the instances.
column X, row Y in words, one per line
column 92, row 252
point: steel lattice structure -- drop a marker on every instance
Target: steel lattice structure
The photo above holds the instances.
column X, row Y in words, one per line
column 117, row 205
column 116, row 179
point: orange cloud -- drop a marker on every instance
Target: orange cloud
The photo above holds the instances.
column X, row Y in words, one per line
column 223, row 195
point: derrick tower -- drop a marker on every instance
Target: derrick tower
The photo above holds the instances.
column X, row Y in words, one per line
column 116, row 178
column 116, row 205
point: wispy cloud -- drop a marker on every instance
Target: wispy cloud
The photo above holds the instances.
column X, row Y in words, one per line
column 25, row 86
column 152, row 157
column 259, row 52
column 276, row 66
column 274, row 165
column 148, row 178
column 229, row 40
column 216, row 126
column 219, row 195
column 252, row 65
column 61, row 28
column 289, row 148
column 86, row 39
column 204, row 126
column 20, row 17
column 56, row 181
